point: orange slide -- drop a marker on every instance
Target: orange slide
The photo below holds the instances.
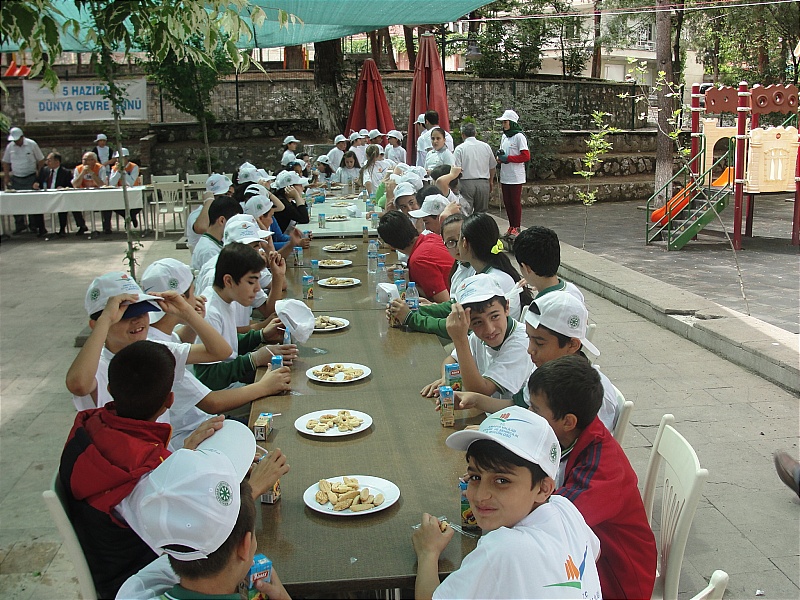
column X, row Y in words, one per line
column 677, row 204
column 725, row 179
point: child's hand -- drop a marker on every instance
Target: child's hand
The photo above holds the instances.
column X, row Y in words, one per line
column 200, row 306
column 458, row 321
column 273, row 589
column 429, row 539
column 276, row 381
column 267, row 471
column 115, row 309
column 466, row 400
column 276, row 264
column 287, row 351
column 205, row 431
column 432, row 389
column 272, row 330
column 173, row 303
column 398, row 309
column 425, row 302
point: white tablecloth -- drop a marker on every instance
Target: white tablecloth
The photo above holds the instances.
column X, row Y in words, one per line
column 36, row 202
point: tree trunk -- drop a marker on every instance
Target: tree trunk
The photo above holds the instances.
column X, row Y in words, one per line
column 664, row 149
column 677, row 63
column 597, row 52
column 715, row 58
column 204, row 126
column 411, row 51
column 388, row 47
column 293, row 57
column 328, row 64
column 374, row 47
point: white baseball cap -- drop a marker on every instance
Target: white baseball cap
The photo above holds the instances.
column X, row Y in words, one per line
column 364, row 132
column 287, row 178
column 101, row 136
column 114, row 284
column 419, row 171
column 257, row 205
column 289, row 139
column 563, row 313
column 256, row 188
column 373, row 133
column 264, row 176
column 478, row 288
column 14, row 134
column 324, row 159
column 248, row 175
column 167, row 275
column 509, row 115
column 243, row 229
column 519, row 430
column 407, row 177
column 192, row 498
column 218, row 184
column 404, row 189
column 420, row 119
column 395, row 134
column 124, row 153
column 433, row 205
column 339, row 138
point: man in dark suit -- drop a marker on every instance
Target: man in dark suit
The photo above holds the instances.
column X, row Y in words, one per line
column 51, row 177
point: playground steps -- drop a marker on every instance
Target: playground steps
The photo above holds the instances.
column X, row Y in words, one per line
column 702, row 212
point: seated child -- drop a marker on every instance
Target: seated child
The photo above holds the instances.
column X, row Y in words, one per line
column 118, row 316
column 206, row 543
column 534, row 544
column 429, row 263
column 539, row 255
column 210, row 243
column 197, row 221
column 192, row 398
column 596, row 476
column 492, row 358
column 236, row 280
column 109, row 449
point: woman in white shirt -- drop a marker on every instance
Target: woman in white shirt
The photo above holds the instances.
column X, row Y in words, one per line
column 512, row 156
column 439, row 154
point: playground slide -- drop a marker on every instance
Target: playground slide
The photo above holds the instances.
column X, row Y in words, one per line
column 678, row 202
column 725, row 179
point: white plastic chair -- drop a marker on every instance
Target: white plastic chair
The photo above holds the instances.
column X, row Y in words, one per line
column 625, row 408
column 682, row 485
column 196, row 177
column 715, row 588
column 165, row 178
column 169, row 198
column 56, row 503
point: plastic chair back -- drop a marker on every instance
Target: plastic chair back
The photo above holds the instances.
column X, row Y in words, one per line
column 170, row 197
column 624, row 410
column 196, row 177
column 56, row 502
column 682, row 484
column 716, row 587
column 165, row 178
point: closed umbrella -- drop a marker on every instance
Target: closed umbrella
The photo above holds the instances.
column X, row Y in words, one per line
column 370, row 109
column 428, row 90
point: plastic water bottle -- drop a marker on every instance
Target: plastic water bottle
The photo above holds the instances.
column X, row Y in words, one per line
column 379, row 279
column 412, row 296
column 372, row 257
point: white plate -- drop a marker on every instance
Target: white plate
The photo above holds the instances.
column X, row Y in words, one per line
column 339, row 376
column 300, row 423
column 324, row 282
column 345, row 323
column 376, row 485
column 349, row 248
column 344, row 263
column 342, row 204
column 337, row 218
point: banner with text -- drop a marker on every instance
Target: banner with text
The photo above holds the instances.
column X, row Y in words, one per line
column 83, row 101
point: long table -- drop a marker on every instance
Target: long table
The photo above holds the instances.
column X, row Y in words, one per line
column 316, row 553
column 352, row 227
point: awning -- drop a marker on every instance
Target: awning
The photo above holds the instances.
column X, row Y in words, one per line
column 321, row 20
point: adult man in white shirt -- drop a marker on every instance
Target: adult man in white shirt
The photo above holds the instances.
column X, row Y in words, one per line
column 22, row 160
column 474, row 160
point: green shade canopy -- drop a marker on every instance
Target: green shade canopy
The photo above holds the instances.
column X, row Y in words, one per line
column 321, row 20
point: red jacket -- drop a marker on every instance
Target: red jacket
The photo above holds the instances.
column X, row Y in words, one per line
column 601, row 483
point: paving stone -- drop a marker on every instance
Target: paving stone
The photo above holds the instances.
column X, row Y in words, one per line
column 29, row 557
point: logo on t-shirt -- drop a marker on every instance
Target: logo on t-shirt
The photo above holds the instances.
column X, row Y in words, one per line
column 574, row 574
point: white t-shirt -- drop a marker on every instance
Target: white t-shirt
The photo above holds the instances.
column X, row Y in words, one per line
column 397, row 155
column 434, row 158
column 335, row 156
column 288, row 156
column 150, row 582
column 191, row 237
column 513, row 146
column 361, row 154
column 345, row 175
column 375, row 173
column 221, row 316
column 205, row 281
column 205, row 248
column 529, row 559
column 463, row 270
column 509, row 366
column 475, row 159
column 23, row 159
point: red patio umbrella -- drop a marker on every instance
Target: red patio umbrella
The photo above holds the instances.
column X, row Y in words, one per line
column 370, row 110
column 428, row 91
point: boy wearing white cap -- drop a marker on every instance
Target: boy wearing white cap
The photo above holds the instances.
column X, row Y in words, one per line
column 210, row 243
column 534, row 544
column 492, row 358
column 192, row 398
column 198, row 512
column 336, row 153
column 432, row 207
column 393, row 150
column 289, row 146
column 118, row 316
column 197, row 221
column 358, row 144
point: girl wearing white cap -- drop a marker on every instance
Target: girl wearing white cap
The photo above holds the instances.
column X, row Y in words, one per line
column 324, row 172
column 393, row 150
column 289, row 146
column 511, row 157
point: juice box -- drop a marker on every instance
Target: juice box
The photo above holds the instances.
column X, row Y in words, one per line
column 262, row 426
column 273, row 495
column 261, row 569
column 308, row 287
column 467, row 518
column 447, row 406
column 452, row 376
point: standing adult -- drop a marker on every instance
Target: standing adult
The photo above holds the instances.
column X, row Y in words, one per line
column 474, row 161
column 105, row 154
column 53, row 177
column 89, row 174
column 22, row 160
column 511, row 157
